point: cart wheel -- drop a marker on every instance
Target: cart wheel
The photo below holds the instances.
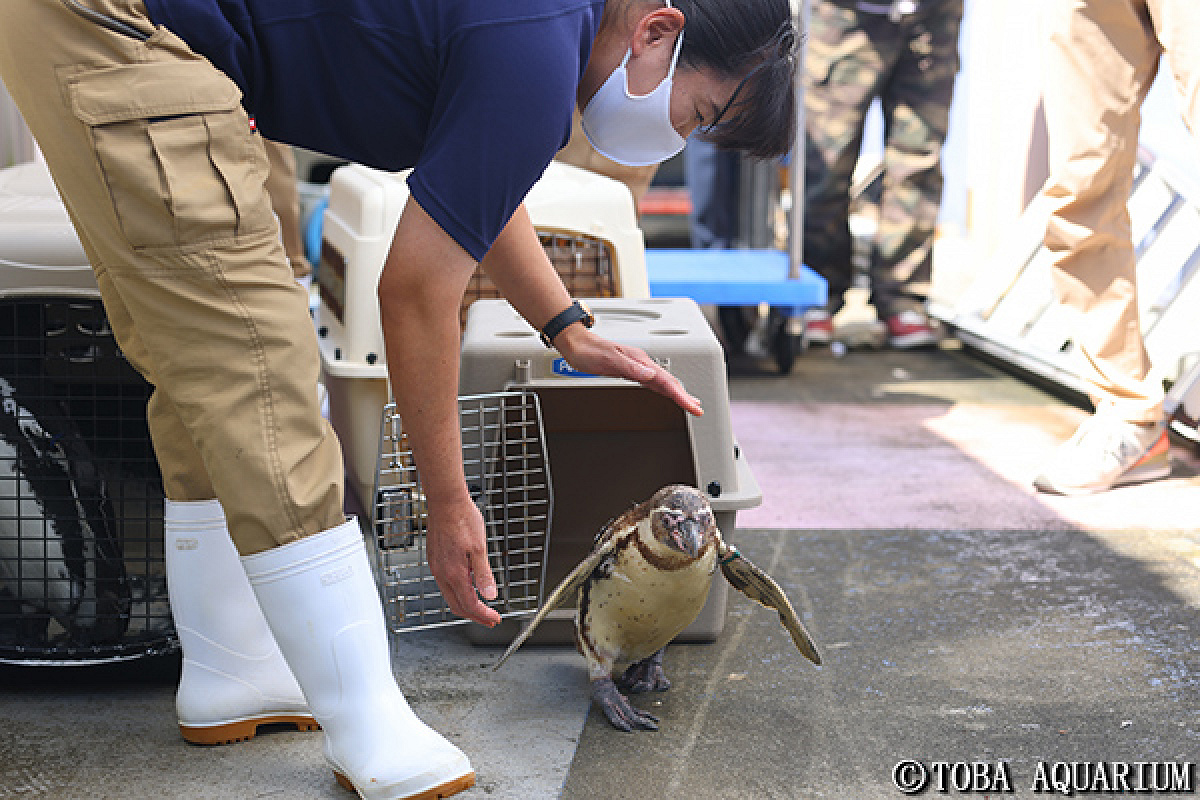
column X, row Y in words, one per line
column 783, row 344
column 736, row 324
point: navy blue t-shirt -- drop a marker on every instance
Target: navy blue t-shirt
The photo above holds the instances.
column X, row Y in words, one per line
column 476, row 95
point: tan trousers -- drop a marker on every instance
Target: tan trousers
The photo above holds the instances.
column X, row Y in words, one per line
column 164, row 182
column 1101, row 59
column 285, row 201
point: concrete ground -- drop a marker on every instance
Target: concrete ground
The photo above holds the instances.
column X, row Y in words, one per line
column 962, row 617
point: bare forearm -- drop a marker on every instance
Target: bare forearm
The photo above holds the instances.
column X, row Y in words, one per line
column 420, row 291
column 521, row 270
column 423, row 367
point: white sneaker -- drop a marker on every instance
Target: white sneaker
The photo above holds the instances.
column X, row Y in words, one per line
column 1106, row 451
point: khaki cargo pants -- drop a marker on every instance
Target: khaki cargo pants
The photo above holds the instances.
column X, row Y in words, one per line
column 164, row 181
column 1101, row 59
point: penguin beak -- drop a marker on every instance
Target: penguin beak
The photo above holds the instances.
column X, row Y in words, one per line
column 688, row 536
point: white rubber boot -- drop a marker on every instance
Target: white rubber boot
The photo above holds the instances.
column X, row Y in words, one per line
column 234, row 677
column 319, row 598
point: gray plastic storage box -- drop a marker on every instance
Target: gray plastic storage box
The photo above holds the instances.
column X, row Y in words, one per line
column 609, row 443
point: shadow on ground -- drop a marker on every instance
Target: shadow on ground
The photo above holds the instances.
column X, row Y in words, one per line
column 969, row 645
column 962, row 616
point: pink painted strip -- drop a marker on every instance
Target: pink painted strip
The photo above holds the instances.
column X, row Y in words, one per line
column 937, row 467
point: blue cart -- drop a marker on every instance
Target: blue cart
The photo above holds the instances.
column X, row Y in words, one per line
column 734, row 278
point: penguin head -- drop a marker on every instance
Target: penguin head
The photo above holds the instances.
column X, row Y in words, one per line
column 681, row 519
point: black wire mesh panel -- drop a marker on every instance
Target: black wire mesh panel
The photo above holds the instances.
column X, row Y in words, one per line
column 584, row 263
column 82, row 575
column 504, row 459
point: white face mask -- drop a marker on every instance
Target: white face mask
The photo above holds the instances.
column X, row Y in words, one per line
column 634, row 130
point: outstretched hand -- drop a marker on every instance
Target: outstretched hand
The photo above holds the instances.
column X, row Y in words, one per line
column 456, row 547
column 593, row 354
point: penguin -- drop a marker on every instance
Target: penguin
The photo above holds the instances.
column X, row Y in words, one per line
column 645, row 580
column 59, row 551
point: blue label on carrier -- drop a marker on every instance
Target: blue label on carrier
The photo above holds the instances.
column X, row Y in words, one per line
column 561, row 367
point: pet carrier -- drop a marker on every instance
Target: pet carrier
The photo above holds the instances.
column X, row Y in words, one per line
column 82, row 576
column 633, row 441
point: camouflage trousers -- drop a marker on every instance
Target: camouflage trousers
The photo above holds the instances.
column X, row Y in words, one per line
column 909, row 64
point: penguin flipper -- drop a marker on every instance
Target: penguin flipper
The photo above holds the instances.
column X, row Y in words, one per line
column 762, row 589
column 563, row 592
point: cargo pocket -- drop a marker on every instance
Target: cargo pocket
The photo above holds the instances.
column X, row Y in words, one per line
column 179, row 159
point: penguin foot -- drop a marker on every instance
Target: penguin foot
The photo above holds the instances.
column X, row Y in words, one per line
column 646, row 675
column 619, row 710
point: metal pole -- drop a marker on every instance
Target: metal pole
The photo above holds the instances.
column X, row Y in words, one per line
column 796, row 179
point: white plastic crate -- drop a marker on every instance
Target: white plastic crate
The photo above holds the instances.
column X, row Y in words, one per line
column 39, row 250
column 81, row 581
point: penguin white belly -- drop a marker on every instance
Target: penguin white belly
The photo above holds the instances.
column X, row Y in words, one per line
column 39, row 512
column 638, row 609
column 33, row 564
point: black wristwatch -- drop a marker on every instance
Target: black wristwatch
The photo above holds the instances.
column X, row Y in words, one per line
column 576, row 312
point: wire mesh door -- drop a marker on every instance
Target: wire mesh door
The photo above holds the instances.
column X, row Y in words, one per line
column 82, row 572
column 504, row 458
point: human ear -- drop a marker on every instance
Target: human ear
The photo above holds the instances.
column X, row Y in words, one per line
column 657, row 28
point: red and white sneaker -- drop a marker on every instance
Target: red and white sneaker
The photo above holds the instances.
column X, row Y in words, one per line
column 910, row 329
column 818, row 326
column 1105, row 452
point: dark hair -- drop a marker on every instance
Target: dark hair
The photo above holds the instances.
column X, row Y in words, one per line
column 756, row 42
